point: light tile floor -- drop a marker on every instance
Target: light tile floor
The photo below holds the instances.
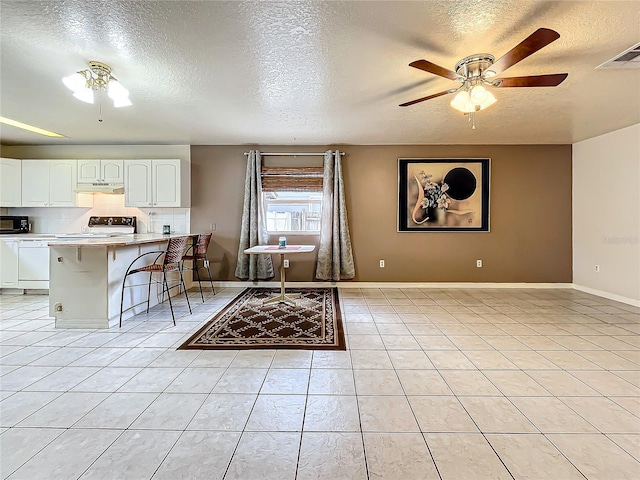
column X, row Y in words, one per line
column 436, row 384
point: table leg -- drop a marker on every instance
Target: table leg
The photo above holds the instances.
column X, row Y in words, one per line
column 283, row 297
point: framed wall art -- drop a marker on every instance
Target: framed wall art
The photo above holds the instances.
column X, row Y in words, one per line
column 443, row 194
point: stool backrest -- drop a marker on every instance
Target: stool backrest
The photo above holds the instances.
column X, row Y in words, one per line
column 202, row 245
column 175, row 250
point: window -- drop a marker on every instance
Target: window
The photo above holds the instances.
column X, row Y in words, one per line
column 292, row 198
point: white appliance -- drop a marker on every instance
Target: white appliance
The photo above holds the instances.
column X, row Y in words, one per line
column 33, row 261
column 104, row 227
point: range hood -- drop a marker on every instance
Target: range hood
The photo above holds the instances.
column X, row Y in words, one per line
column 109, row 188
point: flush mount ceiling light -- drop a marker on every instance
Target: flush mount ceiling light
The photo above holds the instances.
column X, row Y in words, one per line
column 97, row 78
column 476, row 72
column 30, row 128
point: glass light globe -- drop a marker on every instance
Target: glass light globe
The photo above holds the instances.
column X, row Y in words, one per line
column 116, row 90
column 121, row 102
column 75, row 82
column 478, row 94
column 84, row 95
column 489, row 100
column 462, row 102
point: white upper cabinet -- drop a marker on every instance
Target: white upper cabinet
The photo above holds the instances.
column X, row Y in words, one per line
column 10, row 182
column 157, row 183
column 49, row 183
column 137, row 183
column 35, row 183
column 100, row 171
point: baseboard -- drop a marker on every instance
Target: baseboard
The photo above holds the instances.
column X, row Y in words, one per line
column 438, row 285
column 610, row 296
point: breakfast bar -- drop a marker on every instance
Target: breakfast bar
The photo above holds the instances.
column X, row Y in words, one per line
column 86, row 279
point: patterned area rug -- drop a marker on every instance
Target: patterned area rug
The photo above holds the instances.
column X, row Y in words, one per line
column 246, row 323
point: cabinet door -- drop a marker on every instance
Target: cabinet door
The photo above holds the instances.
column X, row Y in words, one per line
column 88, row 171
column 62, row 182
column 8, row 264
column 10, row 182
column 137, row 183
column 112, row 171
column 35, row 183
column 166, row 183
column 33, row 261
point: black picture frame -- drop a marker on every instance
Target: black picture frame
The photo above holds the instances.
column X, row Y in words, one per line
column 443, row 194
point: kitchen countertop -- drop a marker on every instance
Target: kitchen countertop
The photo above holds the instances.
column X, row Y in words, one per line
column 118, row 241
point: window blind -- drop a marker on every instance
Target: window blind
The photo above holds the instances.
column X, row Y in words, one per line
column 297, row 179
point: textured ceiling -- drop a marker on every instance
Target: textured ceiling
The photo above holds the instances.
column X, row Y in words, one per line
column 311, row 72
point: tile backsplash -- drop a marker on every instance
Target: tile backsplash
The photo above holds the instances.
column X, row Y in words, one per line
column 73, row 220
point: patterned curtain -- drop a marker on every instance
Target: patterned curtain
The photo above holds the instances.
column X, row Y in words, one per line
column 254, row 227
column 335, row 257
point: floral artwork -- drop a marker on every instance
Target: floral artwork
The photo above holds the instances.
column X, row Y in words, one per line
column 443, row 195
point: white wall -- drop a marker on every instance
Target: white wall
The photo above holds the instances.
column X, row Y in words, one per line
column 606, row 214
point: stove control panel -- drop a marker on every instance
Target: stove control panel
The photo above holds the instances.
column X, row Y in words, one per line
column 114, row 221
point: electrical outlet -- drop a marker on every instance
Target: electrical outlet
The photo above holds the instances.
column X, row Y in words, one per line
column 479, row 263
column 212, row 227
column 597, row 268
column 286, row 263
column 381, row 263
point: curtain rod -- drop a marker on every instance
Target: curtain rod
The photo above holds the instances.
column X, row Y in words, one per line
column 292, row 154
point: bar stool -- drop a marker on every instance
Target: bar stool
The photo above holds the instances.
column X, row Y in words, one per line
column 199, row 252
column 170, row 262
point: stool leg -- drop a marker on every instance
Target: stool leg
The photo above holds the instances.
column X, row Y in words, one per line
column 122, row 299
column 185, row 289
column 166, row 285
column 206, row 262
column 149, row 291
column 195, row 267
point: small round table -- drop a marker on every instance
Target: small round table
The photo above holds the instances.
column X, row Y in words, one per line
column 282, row 251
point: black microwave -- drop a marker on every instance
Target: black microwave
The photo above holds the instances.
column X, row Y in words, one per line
column 13, row 224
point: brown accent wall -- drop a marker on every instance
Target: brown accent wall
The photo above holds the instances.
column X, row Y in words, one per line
column 530, row 214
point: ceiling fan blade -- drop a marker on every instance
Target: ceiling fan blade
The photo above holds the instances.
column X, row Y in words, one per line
column 435, row 69
column 439, row 94
column 552, row 80
column 530, row 45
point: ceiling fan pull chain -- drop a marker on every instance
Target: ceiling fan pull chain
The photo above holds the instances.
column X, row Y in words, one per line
column 100, row 106
column 473, row 120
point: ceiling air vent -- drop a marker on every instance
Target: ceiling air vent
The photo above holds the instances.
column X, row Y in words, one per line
column 630, row 58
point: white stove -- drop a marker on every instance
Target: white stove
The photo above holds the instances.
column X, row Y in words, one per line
column 105, row 227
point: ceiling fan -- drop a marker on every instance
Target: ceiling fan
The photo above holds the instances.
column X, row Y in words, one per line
column 477, row 71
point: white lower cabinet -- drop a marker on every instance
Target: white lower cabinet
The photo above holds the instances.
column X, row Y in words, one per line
column 24, row 264
column 9, row 264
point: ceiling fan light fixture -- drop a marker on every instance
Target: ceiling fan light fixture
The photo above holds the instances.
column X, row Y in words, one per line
column 97, row 78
